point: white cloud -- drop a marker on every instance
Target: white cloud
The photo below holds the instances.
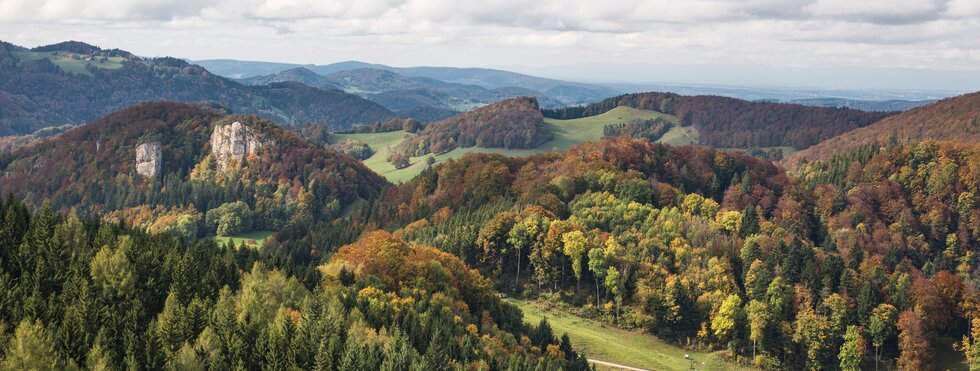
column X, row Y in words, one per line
column 809, row 33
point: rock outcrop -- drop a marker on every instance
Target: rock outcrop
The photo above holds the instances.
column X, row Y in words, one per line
column 149, row 160
column 233, row 142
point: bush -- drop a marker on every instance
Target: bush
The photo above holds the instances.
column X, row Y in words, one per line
column 230, row 218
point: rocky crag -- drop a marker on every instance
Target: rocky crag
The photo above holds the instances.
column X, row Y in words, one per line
column 232, row 143
column 149, row 160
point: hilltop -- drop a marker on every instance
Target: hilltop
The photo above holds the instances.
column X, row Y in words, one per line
column 514, row 123
column 955, row 119
column 74, row 83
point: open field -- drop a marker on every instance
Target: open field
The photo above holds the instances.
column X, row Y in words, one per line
column 628, row 348
column 567, row 133
column 571, row 132
column 257, row 236
column 72, row 62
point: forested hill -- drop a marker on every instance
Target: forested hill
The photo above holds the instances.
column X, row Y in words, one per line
column 75, row 83
column 956, row 119
column 96, row 295
column 156, row 165
column 512, row 123
column 724, row 251
column 734, row 123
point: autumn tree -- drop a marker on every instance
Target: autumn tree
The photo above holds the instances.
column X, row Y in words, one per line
column 598, row 267
column 728, row 318
column 575, row 244
column 912, row 341
column 758, row 317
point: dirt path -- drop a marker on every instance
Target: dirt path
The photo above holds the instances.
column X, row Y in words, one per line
column 616, row 365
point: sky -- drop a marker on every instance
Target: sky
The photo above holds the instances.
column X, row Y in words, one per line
column 902, row 44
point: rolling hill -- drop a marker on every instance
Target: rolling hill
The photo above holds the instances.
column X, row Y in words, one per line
column 565, row 134
column 734, row 123
column 297, row 74
column 954, row 119
column 514, row 123
column 73, row 83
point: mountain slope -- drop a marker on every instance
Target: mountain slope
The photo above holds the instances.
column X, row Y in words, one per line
column 956, row 119
column 72, row 83
column 107, row 166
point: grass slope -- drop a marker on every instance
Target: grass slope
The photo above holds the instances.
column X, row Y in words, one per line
column 73, row 62
column 567, row 133
column 257, row 236
column 380, row 143
column 628, row 348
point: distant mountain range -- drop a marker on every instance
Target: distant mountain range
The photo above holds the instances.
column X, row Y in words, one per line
column 74, row 83
column 549, row 92
column 865, row 105
column 423, row 98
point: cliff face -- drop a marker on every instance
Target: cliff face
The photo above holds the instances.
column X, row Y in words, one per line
column 149, row 160
column 234, row 142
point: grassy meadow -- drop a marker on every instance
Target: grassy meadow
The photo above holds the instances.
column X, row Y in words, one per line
column 629, row 348
column 567, row 133
column 73, row 62
column 252, row 239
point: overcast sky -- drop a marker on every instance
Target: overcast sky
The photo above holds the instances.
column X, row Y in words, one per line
column 614, row 40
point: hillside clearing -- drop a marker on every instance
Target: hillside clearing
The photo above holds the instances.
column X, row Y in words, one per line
column 253, row 239
column 611, row 344
column 73, row 62
column 567, row 133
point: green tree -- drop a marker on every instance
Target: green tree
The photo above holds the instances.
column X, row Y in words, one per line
column 758, row 316
column 598, row 266
column 112, row 270
column 812, row 333
column 852, row 351
column 575, row 244
column 522, row 236
column 98, row 359
column 615, row 284
column 757, row 280
column 32, row 349
column 399, row 353
column 881, row 326
column 728, row 317
column 750, row 221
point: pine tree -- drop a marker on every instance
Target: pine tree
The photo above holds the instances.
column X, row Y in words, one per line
column 32, row 349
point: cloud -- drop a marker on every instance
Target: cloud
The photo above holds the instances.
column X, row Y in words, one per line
column 885, row 33
column 878, row 11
